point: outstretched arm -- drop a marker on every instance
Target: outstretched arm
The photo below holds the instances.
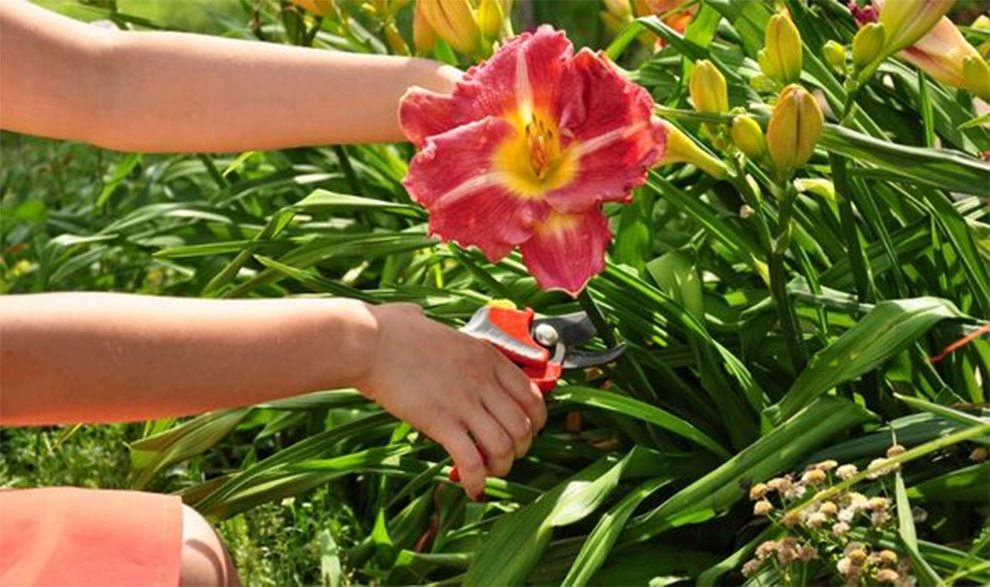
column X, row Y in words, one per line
column 96, row 357
column 179, row 92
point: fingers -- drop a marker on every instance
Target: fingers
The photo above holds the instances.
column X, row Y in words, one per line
column 495, row 443
column 512, row 419
column 523, row 391
column 468, row 460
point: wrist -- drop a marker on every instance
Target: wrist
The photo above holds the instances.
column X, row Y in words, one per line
column 349, row 331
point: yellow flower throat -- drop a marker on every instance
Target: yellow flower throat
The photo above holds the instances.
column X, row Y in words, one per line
column 533, row 160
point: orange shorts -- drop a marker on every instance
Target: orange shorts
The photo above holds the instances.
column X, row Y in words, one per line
column 70, row 536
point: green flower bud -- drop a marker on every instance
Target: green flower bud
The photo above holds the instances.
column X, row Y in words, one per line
column 835, row 54
column 490, row 18
column 976, row 72
column 781, row 54
column 681, row 149
column 868, row 44
column 454, row 21
column 906, row 21
column 708, row 90
column 424, row 37
column 748, row 136
column 794, row 129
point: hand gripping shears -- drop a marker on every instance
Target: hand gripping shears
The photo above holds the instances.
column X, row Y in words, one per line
column 541, row 347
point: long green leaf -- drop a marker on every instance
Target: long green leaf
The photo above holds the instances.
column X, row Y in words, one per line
column 887, row 330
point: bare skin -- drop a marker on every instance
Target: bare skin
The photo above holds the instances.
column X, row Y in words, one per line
column 92, row 357
column 178, row 92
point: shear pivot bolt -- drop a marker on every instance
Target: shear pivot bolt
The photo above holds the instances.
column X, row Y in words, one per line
column 546, row 335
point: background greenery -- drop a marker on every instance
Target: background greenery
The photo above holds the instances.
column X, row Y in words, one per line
column 651, row 458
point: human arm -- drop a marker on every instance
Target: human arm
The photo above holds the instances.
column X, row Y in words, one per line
column 180, row 92
column 98, row 357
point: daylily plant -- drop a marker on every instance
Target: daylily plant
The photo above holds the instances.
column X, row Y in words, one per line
column 526, row 150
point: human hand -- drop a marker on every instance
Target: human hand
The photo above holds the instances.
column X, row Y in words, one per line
column 459, row 391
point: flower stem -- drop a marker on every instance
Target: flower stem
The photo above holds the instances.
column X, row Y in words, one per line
column 778, row 280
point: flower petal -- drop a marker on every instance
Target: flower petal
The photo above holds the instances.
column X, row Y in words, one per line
column 525, row 70
column 567, row 250
column 612, row 130
column 468, row 201
column 423, row 113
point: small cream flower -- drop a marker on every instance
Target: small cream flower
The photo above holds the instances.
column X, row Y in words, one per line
column 895, row 450
column 846, row 472
column 762, row 508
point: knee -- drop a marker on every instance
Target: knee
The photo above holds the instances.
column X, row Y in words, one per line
column 205, row 560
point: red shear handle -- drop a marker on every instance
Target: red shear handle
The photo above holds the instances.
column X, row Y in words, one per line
column 508, row 330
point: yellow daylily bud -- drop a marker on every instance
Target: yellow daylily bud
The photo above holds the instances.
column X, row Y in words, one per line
column 317, row 7
column 976, row 72
column 708, row 89
column 681, row 149
column 781, row 55
column 818, row 186
column 794, row 129
column 620, row 9
column 982, row 23
column 868, row 44
column 490, row 18
column 835, row 54
column 424, row 37
column 455, row 22
column 507, row 18
column 748, row 136
column 906, row 21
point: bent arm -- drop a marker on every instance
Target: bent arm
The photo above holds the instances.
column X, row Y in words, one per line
column 95, row 357
column 179, row 92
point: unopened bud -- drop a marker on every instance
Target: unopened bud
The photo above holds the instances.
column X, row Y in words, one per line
column 708, row 89
column 976, row 72
column 681, row 149
column 868, row 44
column 455, row 22
column 748, row 136
column 795, row 127
column 317, row 7
column 781, row 57
column 424, row 37
column 835, row 54
column 490, row 18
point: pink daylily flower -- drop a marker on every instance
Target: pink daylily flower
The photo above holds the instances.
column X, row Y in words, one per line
column 526, row 150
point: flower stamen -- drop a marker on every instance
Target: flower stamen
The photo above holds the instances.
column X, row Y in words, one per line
column 543, row 147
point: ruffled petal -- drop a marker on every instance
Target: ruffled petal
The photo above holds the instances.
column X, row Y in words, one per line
column 611, row 129
column 467, row 200
column 423, row 113
column 567, row 250
column 527, row 68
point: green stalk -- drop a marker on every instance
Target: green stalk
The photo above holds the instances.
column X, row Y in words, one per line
column 778, row 280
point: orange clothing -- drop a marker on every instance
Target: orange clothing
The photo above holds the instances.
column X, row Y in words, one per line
column 82, row 537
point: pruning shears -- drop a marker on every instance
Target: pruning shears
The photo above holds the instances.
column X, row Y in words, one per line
column 541, row 347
